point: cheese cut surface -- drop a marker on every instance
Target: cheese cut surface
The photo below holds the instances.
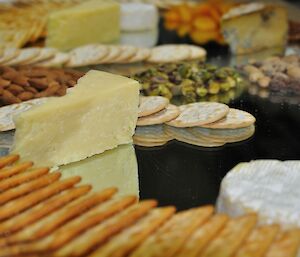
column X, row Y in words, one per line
column 95, row 21
column 268, row 187
column 113, row 168
column 98, row 114
column 255, row 27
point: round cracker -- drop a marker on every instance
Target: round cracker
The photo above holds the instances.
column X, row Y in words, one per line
column 197, row 114
column 9, row 54
column 24, row 56
column 151, row 104
column 196, row 52
column 126, row 52
column 87, row 55
column 45, row 54
column 59, row 59
column 167, row 114
column 148, row 144
column 141, row 55
column 153, row 133
column 184, row 135
column 234, row 119
column 113, row 53
column 169, row 53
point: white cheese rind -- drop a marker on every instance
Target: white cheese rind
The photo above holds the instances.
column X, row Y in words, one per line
column 113, row 168
column 268, row 187
column 99, row 114
column 138, row 17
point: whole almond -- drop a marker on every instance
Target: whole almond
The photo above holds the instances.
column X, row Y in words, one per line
column 61, row 91
column 20, row 80
column 4, row 82
column 9, row 75
column 24, row 96
column 8, row 98
column 40, row 84
column 53, row 87
column 31, row 89
column 15, row 89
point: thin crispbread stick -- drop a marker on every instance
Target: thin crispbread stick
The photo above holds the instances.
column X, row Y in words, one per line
column 125, row 242
column 7, row 160
column 168, row 240
column 203, row 235
column 94, row 237
column 231, row 237
column 28, row 187
column 77, row 226
column 47, row 225
column 22, row 178
column 16, row 169
column 258, row 243
column 41, row 210
column 287, row 244
column 13, row 207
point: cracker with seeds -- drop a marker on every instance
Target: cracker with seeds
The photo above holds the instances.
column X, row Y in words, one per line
column 234, row 119
column 169, row 113
column 24, row 56
column 230, row 239
column 96, row 236
column 151, row 104
column 197, row 114
column 86, row 55
column 125, row 242
column 168, row 240
column 203, row 236
column 169, row 53
column 259, row 241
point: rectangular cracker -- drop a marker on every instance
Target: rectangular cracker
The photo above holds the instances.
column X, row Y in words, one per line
column 125, row 242
column 47, row 225
column 28, row 187
column 8, row 160
column 13, row 207
column 259, row 241
column 43, row 209
column 22, row 178
column 168, row 240
column 286, row 244
column 13, row 170
column 203, row 235
column 231, row 237
column 97, row 235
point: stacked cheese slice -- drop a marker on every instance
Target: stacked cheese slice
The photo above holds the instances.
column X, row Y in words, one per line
column 41, row 215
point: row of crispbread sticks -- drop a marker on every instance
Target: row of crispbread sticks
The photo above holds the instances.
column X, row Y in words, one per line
column 207, row 124
column 94, row 54
column 41, row 215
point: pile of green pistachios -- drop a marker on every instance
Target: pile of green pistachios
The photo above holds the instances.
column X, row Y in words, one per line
column 193, row 80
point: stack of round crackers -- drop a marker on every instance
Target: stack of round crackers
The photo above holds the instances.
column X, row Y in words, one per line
column 94, row 54
column 206, row 124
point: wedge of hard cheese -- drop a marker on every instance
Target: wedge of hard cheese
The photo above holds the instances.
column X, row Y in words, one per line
column 100, row 113
column 95, row 21
column 113, row 168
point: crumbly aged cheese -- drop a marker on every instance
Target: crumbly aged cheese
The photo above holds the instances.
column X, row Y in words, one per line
column 98, row 114
column 138, row 17
column 95, row 21
column 268, row 187
column 253, row 27
column 113, row 168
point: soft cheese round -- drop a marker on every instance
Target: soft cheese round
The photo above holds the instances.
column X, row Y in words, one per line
column 268, row 187
column 138, row 17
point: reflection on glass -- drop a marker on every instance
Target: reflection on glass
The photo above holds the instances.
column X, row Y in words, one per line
column 113, row 168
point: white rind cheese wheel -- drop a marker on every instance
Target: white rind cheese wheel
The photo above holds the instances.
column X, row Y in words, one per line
column 268, row 187
column 138, row 17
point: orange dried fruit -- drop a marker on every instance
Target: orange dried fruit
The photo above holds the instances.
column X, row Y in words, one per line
column 205, row 23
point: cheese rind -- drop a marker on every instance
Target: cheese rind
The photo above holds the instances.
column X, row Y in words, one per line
column 268, row 187
column 93, row 21
column 254, row 27
column 99, row 113
column 113, row 168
